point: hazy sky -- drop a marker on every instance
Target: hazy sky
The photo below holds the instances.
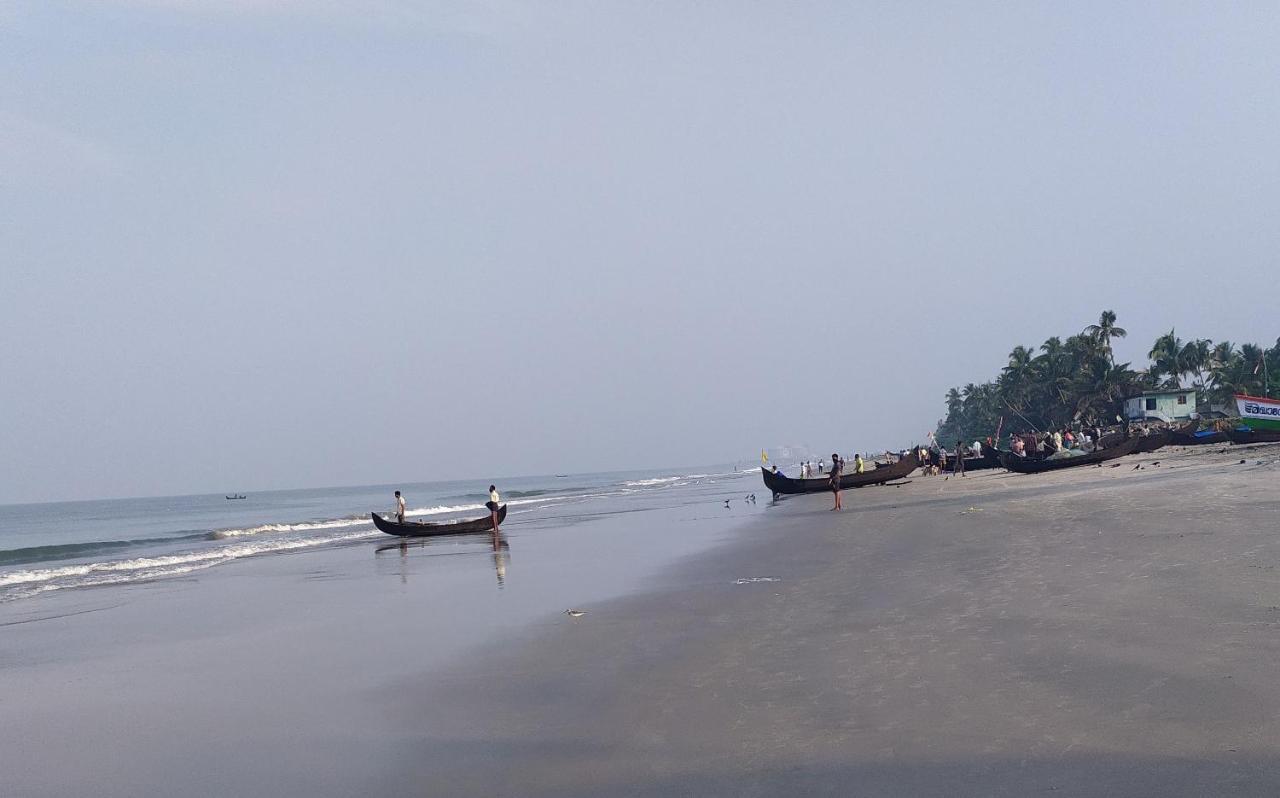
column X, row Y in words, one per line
column 251, row 244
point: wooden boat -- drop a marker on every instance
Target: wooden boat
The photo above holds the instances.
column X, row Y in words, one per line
column 423, row 529
column 990, row 459
column 1254, row 435
column 237, row 496
column 1192, row 435
column 1259, row 420
column 1111, row 440
column 1024, row 466
column 1152, row 442
column 781, row 483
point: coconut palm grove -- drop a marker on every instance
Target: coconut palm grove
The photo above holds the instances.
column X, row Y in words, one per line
column 1077, row 381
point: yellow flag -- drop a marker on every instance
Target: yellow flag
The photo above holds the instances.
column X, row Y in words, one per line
column 764, row 458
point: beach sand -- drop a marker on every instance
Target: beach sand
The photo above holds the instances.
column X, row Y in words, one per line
column 1102, row 631
column 1093, row 632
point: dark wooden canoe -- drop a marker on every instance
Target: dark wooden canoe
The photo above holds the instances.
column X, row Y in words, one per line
column 1023, row 466
column 423, row 529
column 990, row 459
column 780, row 483
column 1149, row 443
column 1192, row 435
column 1111, row 440
column 1254, row 435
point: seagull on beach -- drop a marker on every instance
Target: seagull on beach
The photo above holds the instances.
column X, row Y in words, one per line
column 575, row 613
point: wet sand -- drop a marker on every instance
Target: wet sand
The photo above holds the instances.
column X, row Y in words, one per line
column 285, row 675
column 1104, row 631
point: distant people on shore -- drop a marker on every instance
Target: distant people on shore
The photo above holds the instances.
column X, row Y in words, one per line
column 959, row 466
column 399, row 508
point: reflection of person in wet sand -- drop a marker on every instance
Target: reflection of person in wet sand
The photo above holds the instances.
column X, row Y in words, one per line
column 500, row 554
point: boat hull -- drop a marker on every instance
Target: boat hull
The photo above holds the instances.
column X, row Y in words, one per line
column 1192, row 435
column 1150, row 443
column 1254, row 435
column 1258, row 414
column 422, row 529
column 1023, row 466
column 780, row 483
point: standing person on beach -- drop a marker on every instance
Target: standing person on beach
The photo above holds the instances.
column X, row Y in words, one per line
column 835, row 479
column 859, row 466
column 399, row 508
column 492, row 504
column 959, row 468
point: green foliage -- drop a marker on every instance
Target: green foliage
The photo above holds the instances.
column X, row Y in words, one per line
column 1078, row 381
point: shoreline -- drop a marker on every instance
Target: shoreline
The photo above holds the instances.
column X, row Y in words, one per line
column 274, row 675
column 993, row 634
column 1098, row 633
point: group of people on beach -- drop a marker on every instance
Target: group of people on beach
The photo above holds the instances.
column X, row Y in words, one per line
column 1054, row 441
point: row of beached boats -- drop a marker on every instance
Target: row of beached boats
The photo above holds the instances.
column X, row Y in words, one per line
column 1259, row 423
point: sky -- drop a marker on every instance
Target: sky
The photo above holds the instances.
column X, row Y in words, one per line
column 257, row 244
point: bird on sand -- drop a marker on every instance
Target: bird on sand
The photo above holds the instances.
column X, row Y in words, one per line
column 574, row 613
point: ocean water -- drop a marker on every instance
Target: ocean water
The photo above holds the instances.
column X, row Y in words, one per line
column 97, row 544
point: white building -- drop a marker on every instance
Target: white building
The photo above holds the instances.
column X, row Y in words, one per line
column 1178, row 405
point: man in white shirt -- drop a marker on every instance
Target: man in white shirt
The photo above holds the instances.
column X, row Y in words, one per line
column 399, row 508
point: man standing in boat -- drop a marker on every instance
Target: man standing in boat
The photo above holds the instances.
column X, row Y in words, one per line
column 492, row 504
column 399, row 508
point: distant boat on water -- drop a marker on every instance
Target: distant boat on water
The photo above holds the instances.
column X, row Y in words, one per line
column 236, row 497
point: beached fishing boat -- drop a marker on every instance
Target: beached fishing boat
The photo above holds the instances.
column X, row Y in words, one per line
column 781, row 483
column 1192, row 435
column 1149, row 443
column 1024, row 466
column 423, row 529
column 990, row 459
column 1259, row 420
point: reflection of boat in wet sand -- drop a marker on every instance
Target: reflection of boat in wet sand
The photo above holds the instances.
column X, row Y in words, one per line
column 422, row 529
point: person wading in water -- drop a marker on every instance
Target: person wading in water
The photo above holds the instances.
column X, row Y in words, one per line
column 399, row 508
column 492, row 504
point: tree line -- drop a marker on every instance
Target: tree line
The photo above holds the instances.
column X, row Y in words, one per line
column 1077, row 381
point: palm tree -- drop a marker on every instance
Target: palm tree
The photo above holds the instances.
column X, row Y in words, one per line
column 1105, row 330
column 1195, row 358
column 1100, row 386
column 954, row 403
column 1164, row 360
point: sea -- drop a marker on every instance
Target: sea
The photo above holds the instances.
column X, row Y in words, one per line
column 99, row 544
